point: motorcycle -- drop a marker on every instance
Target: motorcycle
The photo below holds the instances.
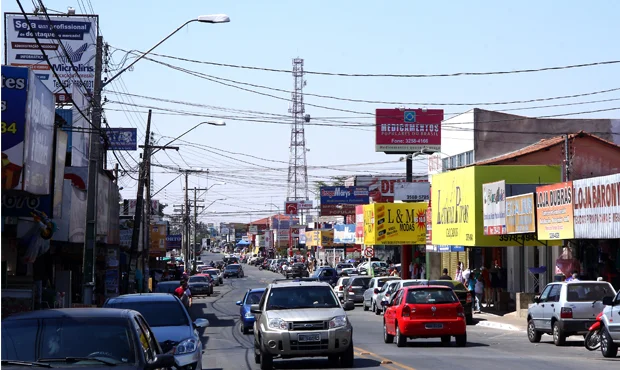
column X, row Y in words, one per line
column 593, row 338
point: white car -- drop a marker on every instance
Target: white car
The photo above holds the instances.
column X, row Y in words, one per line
column 339, row 287
column 610, row 340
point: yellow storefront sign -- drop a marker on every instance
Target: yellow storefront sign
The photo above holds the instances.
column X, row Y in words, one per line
column 457, row 203
column 158, row 240
column 322, row 238
column 395, row 223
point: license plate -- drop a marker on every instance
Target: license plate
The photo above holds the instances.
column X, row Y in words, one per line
column 309, row 337
column 434, row 326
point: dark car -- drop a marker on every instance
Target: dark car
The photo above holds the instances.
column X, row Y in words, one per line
column 81, row 338
column 465, row 296
column 297, row 270
column 326, row 274
column 167, row 286
column 233, row 270
column 200, row 285
column 354, row 291
column 171, row 323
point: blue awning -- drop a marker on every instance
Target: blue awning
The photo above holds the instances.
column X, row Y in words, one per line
column 243, row 242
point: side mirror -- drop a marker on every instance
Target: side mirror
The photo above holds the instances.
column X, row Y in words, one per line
column 162, row 361
column 385, row 303
column 238, row 303
column 201, row 323
column 349, row 306
column 536, row 299
column 377, row 290
column 255, row 309
column 608, row 301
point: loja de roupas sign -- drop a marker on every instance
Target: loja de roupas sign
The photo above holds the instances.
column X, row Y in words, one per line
column 597, row 207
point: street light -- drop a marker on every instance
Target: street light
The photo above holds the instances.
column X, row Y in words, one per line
column 213, row 18
column 218, row 122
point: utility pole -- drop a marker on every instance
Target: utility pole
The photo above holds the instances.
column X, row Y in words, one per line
column 94, row 164
column 187, row 218
column 196, row 206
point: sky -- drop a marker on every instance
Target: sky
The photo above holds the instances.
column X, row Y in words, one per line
column 248, row 158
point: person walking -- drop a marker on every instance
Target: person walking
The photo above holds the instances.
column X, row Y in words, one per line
column 445, row 275
column 479, row 292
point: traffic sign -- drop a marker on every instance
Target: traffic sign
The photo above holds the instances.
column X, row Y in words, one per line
column 369, row 252
column 290, row 208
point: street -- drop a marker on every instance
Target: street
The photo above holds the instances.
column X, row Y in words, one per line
column 227, row 348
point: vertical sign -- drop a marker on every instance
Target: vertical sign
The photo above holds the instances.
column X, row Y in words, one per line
column 494, row 208
column 14, row 97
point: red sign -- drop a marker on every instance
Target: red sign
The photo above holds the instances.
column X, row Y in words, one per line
column 290, row 208
column 63, row 98
column 408, row 130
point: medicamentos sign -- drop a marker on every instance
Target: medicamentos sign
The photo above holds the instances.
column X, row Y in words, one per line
column 597, row 207
column 554, row 211
column 408, row 130
column 68, row 41
column 395, row 223
column 494, row 208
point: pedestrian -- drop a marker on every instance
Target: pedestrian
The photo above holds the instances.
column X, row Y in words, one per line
column 479, row 290
column 574, row 276
column 184, row 294
column 445, row 275
column 486, row 279
column 458, row 276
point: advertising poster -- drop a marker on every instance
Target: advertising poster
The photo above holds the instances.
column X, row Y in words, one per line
column 62, row 138
column 520, row 217
column 359, row 224
column 173, row 241
column 554, row 211
column 494, row 208
column 320, row 238
column 122, row 138
column 597, row 207
column 344, row 234
column 14, row 99
column 72, row 56
column 408, row 130
column 395, row 223
column 158, row 240
column 341, row 200
column 381, row 188
column 412, row 191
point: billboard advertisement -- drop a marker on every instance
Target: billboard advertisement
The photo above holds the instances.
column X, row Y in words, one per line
column 173, row 241
column 158, row 234
column 381, row 188
column 122, row 138
column 62, row 138
column 412, row 191
column 14, row 99
column 494, row 208
column 344, row 234
column 597, row 207
column 320, row 238
column 39, row 140
column 344, row 195
column 554, row 211
column 520, row 218
column 69, row 42
column 359, row 224
column 457, row 204
column 395, row 223
column 408, row 131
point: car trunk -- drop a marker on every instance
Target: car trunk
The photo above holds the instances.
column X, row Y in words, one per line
column 585, row 300
column 442, row 311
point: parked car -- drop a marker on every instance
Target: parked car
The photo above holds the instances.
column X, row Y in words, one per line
column 216, row 275
column 297, row 270
column 424, row 311
column 343, row 265
column 167, row 286
column 171, row 323
column 339, row 288
column 610, row 339
column 348, row 272
column 81, row 338
column 386, row 294
column 566, row 308
column 233, row 270
column 252, row 296
column 370, row 295
column 200, row 284
column 465, row 296
column 354, row 291
column 326, row 274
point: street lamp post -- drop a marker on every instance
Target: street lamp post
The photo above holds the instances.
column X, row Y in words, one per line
column 212, row 123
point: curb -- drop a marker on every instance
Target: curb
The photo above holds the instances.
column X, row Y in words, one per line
column 499, row 326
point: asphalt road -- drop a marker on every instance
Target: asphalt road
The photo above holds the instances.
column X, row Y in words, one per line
column 229, row 349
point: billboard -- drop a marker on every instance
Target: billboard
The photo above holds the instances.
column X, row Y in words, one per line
column 62, row 138
column 158, row 239
column 344, row 195
column 407, row 131
column 122, row 138
column 457, row 203
column 597, row 207
column 381, row 188
column 14, row 99
column 494, row 208
column 173, row 241
column 69, row 42
column 344, row 234
column 359, row 224
column 520, row 218
column 395, row 223
column 412, row 191
column 554, row 211
column 320, row 238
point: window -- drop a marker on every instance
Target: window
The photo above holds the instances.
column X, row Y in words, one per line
column 588, row 292
column 18, row 338
column 431, row 296
column 144, row 340
column 198, row 279
column 469, row 157
column 545, row 294
column 554, row 294
column 398, row 298
column 302, row 297
column 453, row 162
column 175, row 314
column 461, row 159
column 253, row 297
column 445, row 163
column 363, row 282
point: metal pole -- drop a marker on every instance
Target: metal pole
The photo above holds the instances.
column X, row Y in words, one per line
column 195, row 223
column 147, row 220
column 186, row 221
column 90, row 239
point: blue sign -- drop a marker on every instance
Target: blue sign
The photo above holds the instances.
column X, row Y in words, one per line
column 409, row 116
column 344, row 195
column 344, row 234
column 173, row 241
column 450, row 248
column 14, row 99
column 21, row 204
column 122, row 138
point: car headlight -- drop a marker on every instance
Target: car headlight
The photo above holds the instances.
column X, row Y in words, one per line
column 186, row 346
column 249, row 315
column 278, row 324
column 338, row 322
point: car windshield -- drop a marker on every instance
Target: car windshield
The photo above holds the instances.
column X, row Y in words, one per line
column 381, row 283
column 344, row 281
column 212, row 272
column 254, row 298
column 431, row 296
column 363, row 282
column 450, row 284
column 54, row 338
column 233, row 267
column 163, row 313
column 301, row 297
column 588, row 292
column 198, row 279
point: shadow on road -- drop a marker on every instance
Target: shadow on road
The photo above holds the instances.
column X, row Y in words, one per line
column 315, row 363
column 425, row 344
column 216, row 322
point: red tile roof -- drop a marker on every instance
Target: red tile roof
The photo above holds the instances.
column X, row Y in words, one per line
column 541, row 145
column 265, row 221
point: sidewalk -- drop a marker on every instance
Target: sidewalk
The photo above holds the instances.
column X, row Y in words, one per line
column 500, row 320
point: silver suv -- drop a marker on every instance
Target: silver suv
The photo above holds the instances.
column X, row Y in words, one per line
column 302, row 319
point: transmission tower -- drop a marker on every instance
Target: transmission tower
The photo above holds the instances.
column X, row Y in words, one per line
column 297, row 166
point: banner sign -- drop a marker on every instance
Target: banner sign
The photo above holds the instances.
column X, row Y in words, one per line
column 122, row 138
column 337, row 209
column 408, row 131
column 344, row 195
column 494, row 208
column 158, row 240
column 14, row 98
column 395, row 223
column 359, row 224
column 520, row 217
column 597, row 207
column 412, row 191
column 173, row 241
column 554, row 211
column 253, row 229
column 381, row 188
column 344, row 234
column 70, row 41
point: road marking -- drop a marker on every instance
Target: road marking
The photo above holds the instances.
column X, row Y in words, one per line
column 386, row 362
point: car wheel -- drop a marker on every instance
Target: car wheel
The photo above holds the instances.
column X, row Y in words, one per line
column 401, row 341
column 387, row 338
column 532, row 334
column 347, row 358
column 469, row 319
column 378, row 310
column 266, row 361
column 608, row 348
column 461, row 340
column 559, row 338
column 366, row 308
column 245, row 329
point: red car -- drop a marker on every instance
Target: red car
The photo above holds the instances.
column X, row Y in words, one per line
column 424, row 311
